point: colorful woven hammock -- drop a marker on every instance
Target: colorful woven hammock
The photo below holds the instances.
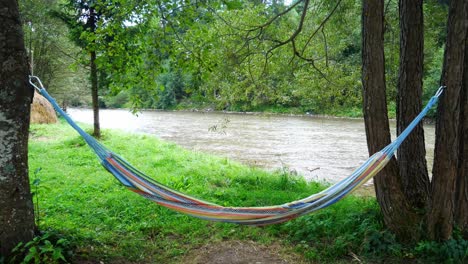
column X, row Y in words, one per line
column 147, row 187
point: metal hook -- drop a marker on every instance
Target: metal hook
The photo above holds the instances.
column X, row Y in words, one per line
column 32, row 79
column 440, row 91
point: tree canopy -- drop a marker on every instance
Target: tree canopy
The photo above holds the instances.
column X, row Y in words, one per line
column 240, row 55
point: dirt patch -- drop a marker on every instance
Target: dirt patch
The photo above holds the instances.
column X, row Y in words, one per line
column 241, row 252
column 40, row 138
column 114, row 261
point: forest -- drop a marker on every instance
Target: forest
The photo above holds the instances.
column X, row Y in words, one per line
column 375, row 60
column 227, row 55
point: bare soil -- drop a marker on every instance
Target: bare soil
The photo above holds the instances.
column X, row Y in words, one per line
column 241, row 252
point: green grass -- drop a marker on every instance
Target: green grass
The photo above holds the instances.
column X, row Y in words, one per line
column 83, row 204
column 80, row 200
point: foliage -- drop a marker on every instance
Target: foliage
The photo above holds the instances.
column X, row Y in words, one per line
column 118, row 101
column 233, row 68
column 248, row 76
column 348, row 226
column 46, row 248
column 226, row 53
column 435, row 17
column 450, row 251
column 51, row 53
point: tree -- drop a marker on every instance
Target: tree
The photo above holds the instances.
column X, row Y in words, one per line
column 403, row 189
column 82, row 18
column 51, row 52
column 412, row 153
column 449, row 191
column 91, row 25
column 461, row 211
column 16, row 207
column 397, row 213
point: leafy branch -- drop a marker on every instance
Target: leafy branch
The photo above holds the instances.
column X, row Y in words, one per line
column 259, row 33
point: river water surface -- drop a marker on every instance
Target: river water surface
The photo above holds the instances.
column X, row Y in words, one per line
column 325, row 149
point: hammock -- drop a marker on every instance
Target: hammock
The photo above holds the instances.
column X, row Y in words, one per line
column 147, row 187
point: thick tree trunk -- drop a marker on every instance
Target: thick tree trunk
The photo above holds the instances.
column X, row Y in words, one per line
column 412, row 153
column 397, row 214
column 447, row 153
column 16, row 207
column 461, row 210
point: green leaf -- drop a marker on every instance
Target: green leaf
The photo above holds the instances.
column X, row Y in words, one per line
column 36, row 182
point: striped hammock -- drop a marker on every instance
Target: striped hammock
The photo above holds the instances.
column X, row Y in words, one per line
column 147, row 187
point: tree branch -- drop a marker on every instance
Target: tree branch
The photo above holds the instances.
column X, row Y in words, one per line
column 298, row 30
column 179, row 38
column 322, row 24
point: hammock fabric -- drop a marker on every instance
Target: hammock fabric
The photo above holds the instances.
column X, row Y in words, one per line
column 147, row 187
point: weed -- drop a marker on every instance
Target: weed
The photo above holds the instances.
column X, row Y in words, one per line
column 46, row 248
column 381, row 243
column 36, row 182
column 450, row 251
column 335, row 232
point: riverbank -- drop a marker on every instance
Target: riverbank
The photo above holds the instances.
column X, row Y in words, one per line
column 312, row 147
column 88, row 217
column 320, row 149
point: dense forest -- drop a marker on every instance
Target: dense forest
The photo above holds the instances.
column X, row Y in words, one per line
column 223, row 55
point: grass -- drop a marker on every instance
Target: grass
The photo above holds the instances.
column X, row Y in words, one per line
column 80, row 200
column 80, row 203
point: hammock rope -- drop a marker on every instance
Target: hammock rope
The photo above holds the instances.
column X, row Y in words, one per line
column 138, row 182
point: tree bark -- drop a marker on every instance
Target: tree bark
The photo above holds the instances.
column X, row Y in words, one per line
column 94, row 80
column 94, row 95
column 397, row 214
column 16, row 207
column 448, row 149
column 412, row 153
column 461, row 210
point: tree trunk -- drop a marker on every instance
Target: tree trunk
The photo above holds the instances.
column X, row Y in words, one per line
column 397, row 214
column 94, row 95
column 94, row 80
column 461, row 210
column 412, row 153
column 16, row 207
column 447, row 154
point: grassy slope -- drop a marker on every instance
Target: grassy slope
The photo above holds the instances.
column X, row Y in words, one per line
column 101, row 219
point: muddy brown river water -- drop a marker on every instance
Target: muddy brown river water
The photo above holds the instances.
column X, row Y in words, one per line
column 319, row 148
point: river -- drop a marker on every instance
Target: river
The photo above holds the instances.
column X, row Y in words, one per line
column 319, row 148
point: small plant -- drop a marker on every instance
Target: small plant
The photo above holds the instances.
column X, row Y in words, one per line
column 220, row 127
column 381, row 243
column 450, row 251
column 42, row 249
column 36, row 182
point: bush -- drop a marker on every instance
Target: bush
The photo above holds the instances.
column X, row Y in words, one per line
column 450, row 251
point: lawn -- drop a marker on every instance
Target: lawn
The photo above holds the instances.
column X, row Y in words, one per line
column 86, row 214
